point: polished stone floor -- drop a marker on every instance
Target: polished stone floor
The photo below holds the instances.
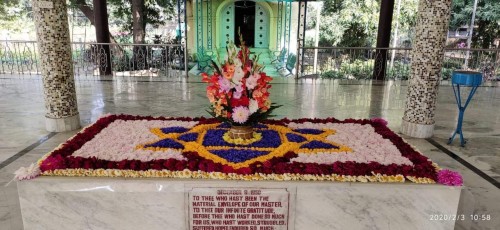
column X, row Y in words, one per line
column 23, row 138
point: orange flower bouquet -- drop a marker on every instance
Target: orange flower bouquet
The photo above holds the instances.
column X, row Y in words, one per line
column 239, row 90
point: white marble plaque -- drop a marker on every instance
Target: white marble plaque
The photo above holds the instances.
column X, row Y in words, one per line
column 129, row 204
column 238, row 208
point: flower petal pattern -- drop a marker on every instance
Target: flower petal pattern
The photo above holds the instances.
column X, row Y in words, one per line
column 303, row 149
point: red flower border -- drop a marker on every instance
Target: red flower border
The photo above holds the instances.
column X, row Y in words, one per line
column 61, row 158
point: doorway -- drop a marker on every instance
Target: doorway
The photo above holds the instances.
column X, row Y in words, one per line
column 244, row 21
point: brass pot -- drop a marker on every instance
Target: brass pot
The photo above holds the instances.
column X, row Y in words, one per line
column 243, row 132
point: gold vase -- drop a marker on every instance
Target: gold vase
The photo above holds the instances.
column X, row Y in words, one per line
column 243, row 132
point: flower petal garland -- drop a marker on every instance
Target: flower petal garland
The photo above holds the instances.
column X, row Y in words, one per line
column 349, row 150
column 27, row 173
column 239, row 141
column 448, row 177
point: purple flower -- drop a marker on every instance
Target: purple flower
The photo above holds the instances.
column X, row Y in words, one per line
column 225, row 85
column 174, row 129
column 451, row 178
column 239, row 155
column 237, row 95
column 239, row 91
column 295, row 138
column 166, row 143
column 318, row 145
column 309, row 131
column 380, row 121
column 188, row 137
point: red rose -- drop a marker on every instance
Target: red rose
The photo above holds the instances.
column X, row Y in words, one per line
column 290, row 155
column 170, row 164
column 267, row 164
column 180, row 165
column 311, row 169
column 99, row 164
column 257, row 167
column 156, row 166
column 228, row 169
column 243, row 101
column 244, row 171
column 75, row 162
column 202, row 165
column 133, row 165
column 144, row 166
column 212, row 167
column 280, row 168
column 87, row 164
column 52, row 162
column 192, row 165
column 122, row 164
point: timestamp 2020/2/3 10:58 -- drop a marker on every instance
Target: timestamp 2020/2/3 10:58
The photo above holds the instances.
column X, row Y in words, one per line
column 474, row 217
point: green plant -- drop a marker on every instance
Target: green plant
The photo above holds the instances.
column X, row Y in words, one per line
column 194, row 57
column 358, row 69
column 453, row 63
column 446, row 73
column 398, row 71
column 332, row 74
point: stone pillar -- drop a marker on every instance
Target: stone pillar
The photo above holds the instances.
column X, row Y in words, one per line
column 426, row 61
column 51, row 21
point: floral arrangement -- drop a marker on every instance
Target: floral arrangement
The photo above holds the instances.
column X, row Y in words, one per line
column 239, row 90
column 303, row 149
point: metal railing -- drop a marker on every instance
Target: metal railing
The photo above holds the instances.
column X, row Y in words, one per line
column 359, row 62
column 21, row 57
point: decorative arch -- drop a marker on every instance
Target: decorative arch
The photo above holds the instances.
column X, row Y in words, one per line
column 219, row 39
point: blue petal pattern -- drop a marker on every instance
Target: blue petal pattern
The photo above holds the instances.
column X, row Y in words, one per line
column 318, row 145
column 292, row 137
column 237, row 156
column 224, row 126
column 188, row 137
column 175, row 129
column 270, row 139
column 309, row 131
column 261, row 126
column 166, row 143
column 227, row 126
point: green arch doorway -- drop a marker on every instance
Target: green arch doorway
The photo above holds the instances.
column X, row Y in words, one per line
column 250, row 17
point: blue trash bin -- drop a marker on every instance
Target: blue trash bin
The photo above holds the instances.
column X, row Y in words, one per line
column 464, row 79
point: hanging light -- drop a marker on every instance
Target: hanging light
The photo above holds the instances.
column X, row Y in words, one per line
column 244, row 6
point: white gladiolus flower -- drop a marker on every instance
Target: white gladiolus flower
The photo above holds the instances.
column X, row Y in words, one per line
column 238, row 75
column 237, row 63
column 253, row 106
column 251, row 82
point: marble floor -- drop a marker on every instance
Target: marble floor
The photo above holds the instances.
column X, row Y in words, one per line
column 23, row 138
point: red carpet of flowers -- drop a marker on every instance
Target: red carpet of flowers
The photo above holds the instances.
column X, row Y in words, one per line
column 63, row 162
